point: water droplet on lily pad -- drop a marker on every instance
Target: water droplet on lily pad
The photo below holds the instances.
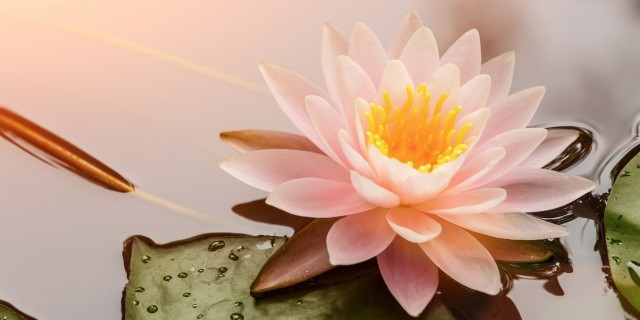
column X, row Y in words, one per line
column 135, row 303
column 186, row 294
column 195, row 305
column 145, row 259
column 634, row 271
column 625, row 174
column 152, row 308
column 182, row 275
column 216, row 245
column 238, row 304
column 139, row 289
column 233, row 257
column 167, row 278
column 236, row 316
column 616, row 259
column 615, row 241
column 299, row 302
column 200, row 270
column 200, row 316
column 4, row 318
column 222, row 269
column 240, row 248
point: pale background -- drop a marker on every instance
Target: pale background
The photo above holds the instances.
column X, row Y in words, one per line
column 136, row 83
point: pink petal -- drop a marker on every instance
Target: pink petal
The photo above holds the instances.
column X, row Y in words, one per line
column 464, row 203
column 334, row 44
column 366, row 50
column 359, row 237
column 407, row 28
column 327, row 122
column 354, row 158
column 409, row 274
column 290, row 89
column 509, row 225
column 464, row 259
column 446, row 80
column 391, row 173
column 532, row 190
column 251, row 140
column 318, row 198
column 476, row 168
column 514, row 112
column 474, row 94
column 353, row 83
column 414, row 226
column 372, row 192
column 421, row 55
column 421, row 187
column 500, row 69
column 518, row 145
column 478, row 120
column 556, row 142
column 465, row 53
column 266, row 169
column 395, row 81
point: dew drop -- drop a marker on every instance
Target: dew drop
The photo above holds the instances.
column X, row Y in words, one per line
column 616, row 259
column 195, row 305
column 625, row 174
column 216, row 245
column 152, row 308
column 182, row 275
column 186, row 294
column 236, row 316
column 615, row 241
column 222, row 269
column 200, row 270
column 299, row 302
column 221, row 275
column 4, row 318
column 240, row 248
column 145, row 259
column 167, row 278
column 135, row 302
column 233, row 256
column 634, row 271
column 200, row 316
column 238, row 304
column 139, row 289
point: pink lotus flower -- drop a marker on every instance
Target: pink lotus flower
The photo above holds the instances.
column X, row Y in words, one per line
column 412, row 149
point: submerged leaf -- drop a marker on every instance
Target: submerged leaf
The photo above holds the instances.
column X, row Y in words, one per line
column 622, row 231
column 208, row 277
column 301, row 258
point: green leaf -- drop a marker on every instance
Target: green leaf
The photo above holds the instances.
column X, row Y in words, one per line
column 199, row 288
column 622, row 231
column 9, row 312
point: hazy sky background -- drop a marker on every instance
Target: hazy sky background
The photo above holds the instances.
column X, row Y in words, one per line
column 137, row 84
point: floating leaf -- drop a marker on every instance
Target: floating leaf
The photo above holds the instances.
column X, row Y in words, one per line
column 515, row 251
column 208, row 277
column 9, row 312
column 622, row 232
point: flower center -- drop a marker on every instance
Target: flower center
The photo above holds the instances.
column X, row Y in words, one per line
column 412, row 134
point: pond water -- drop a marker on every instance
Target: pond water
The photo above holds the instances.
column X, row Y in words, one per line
column 78, row 69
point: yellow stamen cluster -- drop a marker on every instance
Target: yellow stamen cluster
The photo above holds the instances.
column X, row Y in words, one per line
column 411, row 134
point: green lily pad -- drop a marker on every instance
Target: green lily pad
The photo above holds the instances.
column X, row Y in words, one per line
column 208, row 277
column 622, row 231
column 9, row 312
